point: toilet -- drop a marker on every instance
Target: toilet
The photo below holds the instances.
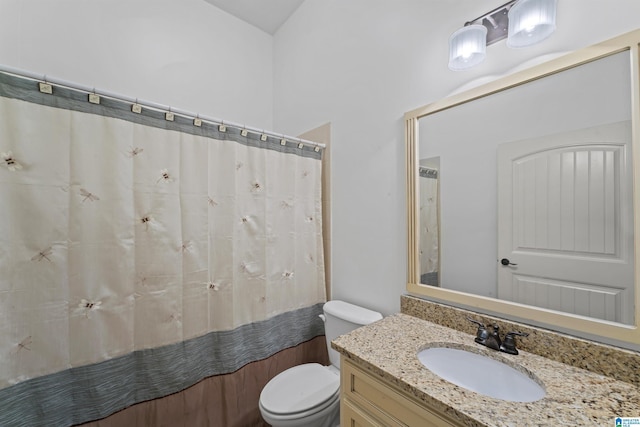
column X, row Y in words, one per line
column 308, row 395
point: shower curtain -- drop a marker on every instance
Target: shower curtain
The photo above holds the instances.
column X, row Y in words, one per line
column 141, row 252
column 429, row 226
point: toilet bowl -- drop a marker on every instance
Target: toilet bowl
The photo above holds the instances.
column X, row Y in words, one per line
column 308, row 395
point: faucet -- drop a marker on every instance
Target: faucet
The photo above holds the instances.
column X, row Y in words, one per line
column 493, row 341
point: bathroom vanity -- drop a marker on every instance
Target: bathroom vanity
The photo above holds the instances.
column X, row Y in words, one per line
column 385, row 384
column 368, row 400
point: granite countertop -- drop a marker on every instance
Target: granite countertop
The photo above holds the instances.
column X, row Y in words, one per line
column 573, row 397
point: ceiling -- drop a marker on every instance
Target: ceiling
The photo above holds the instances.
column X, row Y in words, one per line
column 268, row 15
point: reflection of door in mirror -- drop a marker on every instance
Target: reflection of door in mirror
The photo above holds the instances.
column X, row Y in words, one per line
column 565, row 222
column 429, row 221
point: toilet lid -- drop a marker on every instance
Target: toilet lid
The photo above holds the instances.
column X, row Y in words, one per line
column 299, row 389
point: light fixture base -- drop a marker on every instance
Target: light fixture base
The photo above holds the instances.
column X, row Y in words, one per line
column 497, row 23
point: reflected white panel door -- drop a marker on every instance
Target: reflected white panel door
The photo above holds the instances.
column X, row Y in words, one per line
column 565, row 217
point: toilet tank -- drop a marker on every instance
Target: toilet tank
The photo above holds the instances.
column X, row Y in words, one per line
column 341, row 317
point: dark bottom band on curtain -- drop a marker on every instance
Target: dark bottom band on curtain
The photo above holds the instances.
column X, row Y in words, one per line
column 229, row 400
column 92, row 392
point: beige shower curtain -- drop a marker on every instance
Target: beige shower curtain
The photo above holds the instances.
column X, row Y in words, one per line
column 429, row 226
column 139, row 255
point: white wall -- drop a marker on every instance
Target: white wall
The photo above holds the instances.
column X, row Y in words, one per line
column 186, row 54
column 361, row 64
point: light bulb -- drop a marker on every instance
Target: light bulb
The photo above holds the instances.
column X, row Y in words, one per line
column 467, row 47
column 530, row 22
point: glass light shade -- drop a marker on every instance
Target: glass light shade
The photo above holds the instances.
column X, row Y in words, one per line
column 530, row 22
column 467, row 47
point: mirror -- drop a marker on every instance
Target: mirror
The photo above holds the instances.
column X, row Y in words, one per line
column 572, row 198
column 521, row 194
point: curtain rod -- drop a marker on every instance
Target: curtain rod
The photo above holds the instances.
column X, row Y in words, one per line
column 148, row 104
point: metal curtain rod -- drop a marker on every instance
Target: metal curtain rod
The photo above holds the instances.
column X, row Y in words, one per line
column 148, row 104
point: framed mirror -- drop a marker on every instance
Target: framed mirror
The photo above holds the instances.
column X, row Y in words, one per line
column 521, row 195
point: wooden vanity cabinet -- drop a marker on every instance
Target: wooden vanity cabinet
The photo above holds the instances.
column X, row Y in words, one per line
column 369, row 401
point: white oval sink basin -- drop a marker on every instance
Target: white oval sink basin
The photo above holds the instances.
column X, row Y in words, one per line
column 481, row 374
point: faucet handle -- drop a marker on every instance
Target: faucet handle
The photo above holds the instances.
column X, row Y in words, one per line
column 509, row 344
column 481, row 334
column 480, row 324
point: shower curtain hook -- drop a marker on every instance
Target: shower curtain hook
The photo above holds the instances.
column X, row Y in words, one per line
column 45, row 87
column 244, row 131
column 136, row 108
column 93, row 97
column 169, row 116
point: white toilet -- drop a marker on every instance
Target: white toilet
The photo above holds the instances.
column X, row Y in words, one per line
column 309, row 395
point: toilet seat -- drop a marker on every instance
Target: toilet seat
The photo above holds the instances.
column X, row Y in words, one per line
column 300, row 391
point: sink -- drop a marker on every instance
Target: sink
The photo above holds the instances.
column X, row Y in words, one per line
column 481, row 374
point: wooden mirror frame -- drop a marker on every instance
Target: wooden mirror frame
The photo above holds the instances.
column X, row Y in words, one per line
column 617, row 333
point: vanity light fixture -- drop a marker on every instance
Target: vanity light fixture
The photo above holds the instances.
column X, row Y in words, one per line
column 522, row 22
column 467, row 47
column 531, row 21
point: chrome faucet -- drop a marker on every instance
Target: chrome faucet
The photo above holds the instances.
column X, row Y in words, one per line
column 493, row 341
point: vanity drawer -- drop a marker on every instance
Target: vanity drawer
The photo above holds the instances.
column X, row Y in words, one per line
column 384, row 403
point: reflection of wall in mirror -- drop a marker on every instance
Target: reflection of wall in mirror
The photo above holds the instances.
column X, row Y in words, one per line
column 429, row 225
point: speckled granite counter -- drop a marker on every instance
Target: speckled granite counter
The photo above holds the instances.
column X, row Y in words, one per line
column 574, row 396
column 614, row 362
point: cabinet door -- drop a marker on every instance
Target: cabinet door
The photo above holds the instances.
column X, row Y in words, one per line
column 352, row 416
column 379, row 400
